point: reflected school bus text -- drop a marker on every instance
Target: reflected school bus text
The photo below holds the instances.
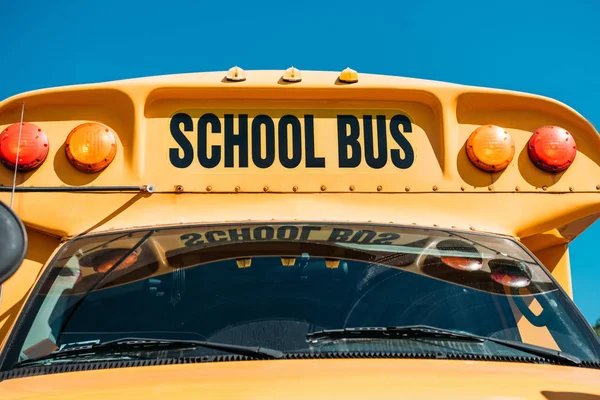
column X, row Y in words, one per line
column 289, row 233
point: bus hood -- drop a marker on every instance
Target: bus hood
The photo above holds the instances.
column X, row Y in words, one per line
column 316, row 379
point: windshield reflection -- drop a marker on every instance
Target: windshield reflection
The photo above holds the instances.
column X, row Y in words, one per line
column 271, row 285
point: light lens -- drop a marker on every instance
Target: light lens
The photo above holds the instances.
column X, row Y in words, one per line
column 470, row 261
column 33, row 148
column 463, row 263
column 91, row 147
column 552, row 149
column 490, row 148
column 104, row 260
column 510, row 273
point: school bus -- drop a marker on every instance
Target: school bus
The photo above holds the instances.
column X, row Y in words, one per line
column 297, row 234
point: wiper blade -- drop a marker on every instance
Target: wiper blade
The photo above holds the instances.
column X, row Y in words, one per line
column 128, row 344
column 429, row 332
column 392, row 332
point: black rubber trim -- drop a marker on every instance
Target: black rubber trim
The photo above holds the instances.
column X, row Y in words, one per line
column 90, row 366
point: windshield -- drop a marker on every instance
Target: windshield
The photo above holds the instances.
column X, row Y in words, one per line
column 273, row 285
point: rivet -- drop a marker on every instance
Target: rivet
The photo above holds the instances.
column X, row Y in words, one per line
column 407, row 188
column 571, row 188
column 179, row 188
column 435, row 188
column 323, row 188
column 490, row 188
column 266, row 189
column 517, row 188
column 453, row 227
column 379, row 188
column 462, row 188
column 471, row 228
column 435, row 225
column 237, row 188
column 597, row 187
column 352, row 188
column 208, row 188
column 295, row 188
column 544, row 187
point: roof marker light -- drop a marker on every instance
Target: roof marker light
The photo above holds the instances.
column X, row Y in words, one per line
column 91, row 147
column 292, row 75
column 490, row 148
column 332, row 263
column 33, row 148
column 236, row 74
column 243, row 262
column 349, row 76
column 552, row 149
column 288, row 261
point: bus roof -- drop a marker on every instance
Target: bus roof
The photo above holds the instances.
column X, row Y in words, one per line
column 424, row 176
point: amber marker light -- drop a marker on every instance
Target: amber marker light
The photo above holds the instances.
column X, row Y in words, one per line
column 490, row 148
column 91, row 147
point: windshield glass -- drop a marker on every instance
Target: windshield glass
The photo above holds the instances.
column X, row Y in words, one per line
column 272, row 285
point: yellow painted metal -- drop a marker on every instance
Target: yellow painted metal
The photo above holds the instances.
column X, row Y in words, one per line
column 440, row 188
column 16, row 289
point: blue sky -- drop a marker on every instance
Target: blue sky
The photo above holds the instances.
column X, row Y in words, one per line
column 546, row 47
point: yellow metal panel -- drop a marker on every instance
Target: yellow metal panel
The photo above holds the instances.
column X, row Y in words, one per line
column 16, row 289
column 350, row 379
column 509, row 214
column 556, row 260
column 441, row 187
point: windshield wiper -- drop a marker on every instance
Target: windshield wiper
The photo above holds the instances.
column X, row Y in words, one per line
column 102, row 279
column 128, row 344
column 429, row 332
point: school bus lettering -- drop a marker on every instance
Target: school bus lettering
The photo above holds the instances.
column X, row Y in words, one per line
column 349, row 133
column 186, row 159
column 263, row 140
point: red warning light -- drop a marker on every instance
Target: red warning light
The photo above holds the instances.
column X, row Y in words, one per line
column 32, row 148
column 552, row 149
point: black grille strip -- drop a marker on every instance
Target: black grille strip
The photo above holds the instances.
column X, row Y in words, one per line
column 89, row 366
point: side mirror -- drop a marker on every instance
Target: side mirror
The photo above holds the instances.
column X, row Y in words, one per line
column 13, row 242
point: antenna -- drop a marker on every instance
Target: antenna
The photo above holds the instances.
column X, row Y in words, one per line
column 14, row 185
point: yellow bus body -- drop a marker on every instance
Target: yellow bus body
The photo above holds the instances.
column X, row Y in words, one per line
column 440, row 188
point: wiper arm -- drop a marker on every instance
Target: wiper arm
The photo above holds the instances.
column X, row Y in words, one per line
column 103, row 278
column 424, row 331
column 128, row 344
